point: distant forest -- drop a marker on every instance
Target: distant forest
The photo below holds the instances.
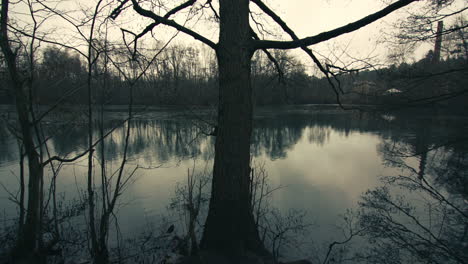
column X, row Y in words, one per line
column 183, row 75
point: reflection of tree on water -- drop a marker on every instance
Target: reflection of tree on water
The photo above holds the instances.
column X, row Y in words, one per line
column 154, row 140
column 419, row 215
column 276, row 135
column 429, row 152
column 8, row 145
column 150, row 140
column 165, row 140
column 440, row 149
column 455, row 173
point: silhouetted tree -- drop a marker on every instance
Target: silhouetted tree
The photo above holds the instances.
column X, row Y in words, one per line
column 230, row 226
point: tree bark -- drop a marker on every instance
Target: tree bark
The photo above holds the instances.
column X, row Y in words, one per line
column 230, row 226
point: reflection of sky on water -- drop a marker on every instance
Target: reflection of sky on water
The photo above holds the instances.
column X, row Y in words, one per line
column 325, row 161
column 326, row 179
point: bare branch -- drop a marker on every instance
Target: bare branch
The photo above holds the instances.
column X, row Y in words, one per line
column 308, row 51
column 210, row 4
column 167, row 15
column 271, row 44
column 270, row 57
column 57, row 158
column 162, row 20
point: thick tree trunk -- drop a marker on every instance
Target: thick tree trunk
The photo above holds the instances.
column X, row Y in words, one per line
column 230, row 226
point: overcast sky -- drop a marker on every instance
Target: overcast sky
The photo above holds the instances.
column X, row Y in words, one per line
column 310, row 17
column 306, row 18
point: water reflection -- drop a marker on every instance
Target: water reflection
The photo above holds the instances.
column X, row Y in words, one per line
column 276, row 134
column 8, row 145
column 327, row 159
column 419, row 213
column 154, row 140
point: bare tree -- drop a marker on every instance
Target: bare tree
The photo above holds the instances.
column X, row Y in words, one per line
column 190, row 202
column 29, row 237
column 230, row 226
column 430, row 22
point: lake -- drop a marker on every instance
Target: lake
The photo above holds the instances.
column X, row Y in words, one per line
column 319, row 159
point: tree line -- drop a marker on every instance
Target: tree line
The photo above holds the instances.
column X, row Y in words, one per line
column 185, row 75
column 181, row 75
